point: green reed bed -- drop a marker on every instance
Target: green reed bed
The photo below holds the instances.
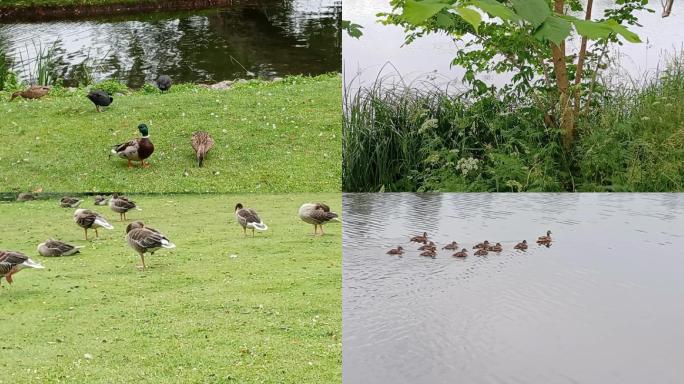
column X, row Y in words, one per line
column 423, row 138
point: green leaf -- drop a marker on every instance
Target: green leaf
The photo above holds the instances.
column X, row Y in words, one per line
column 622, row 31
column 471, row 16
column 553, row 29
column 354, row 30
column 444, row 20
column 417, row 12
column 495, row 9
column 534, row 12
column 591, row 29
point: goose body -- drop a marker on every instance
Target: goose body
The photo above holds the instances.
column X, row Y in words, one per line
column 100, row 98
column 87, row 219
column 144, row 239
column 136, row 149
column 121, row 205
column 201, row 143
column 317, row 214
column 52, row 247
column 69, row 202
column 25, row 196
column 164, row 83
column 249, row 219
column 33, row 92
column 100, row 200
column 522, row 245
column 12, row 262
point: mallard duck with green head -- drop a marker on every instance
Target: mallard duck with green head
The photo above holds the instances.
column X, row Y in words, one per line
column 136, row 149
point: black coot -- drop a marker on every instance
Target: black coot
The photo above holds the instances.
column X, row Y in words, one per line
column 100, row 98
column 164, row 83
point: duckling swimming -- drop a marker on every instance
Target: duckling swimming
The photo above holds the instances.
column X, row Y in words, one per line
column 420, row 239
column 427, row 247
column 453, row 246
column 495, row 248
column 463, row 253
column 481, row 252
column 544, row 239
column 429, row 253
column 484, row 245
column 522, row 246
column 396, row 251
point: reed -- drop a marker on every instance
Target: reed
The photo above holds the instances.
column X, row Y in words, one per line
column 420, row 137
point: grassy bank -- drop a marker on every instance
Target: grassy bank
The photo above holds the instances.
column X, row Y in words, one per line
column 282, row 136
column 219, row 308
column 409, row 139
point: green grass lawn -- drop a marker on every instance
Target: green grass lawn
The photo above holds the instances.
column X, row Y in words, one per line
column 282, row 136
column 220, row 308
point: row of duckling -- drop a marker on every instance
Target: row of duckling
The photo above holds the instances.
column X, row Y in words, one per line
column 139, row 236
column 137, row 149
column 429, row 248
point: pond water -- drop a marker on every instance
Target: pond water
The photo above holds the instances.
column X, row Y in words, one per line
column 430, row 57
column 262, row 39
column 601, row 305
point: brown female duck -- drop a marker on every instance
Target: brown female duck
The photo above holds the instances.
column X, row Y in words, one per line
column 420, row 238
column 544, row 239
column 33, row 92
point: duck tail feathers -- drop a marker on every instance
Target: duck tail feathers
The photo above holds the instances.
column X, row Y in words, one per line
column 32, row 264
column 167, row 244
column 104, row 224
column 259, row 226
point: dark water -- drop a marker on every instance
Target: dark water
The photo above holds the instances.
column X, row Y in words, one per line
column 603, row 304
column 267, row 39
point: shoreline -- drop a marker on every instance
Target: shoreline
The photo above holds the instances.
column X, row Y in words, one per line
column 16, row 13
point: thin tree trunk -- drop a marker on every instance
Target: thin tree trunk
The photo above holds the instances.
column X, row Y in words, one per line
column 667, row 8
column 560, row 68
column 580, row 63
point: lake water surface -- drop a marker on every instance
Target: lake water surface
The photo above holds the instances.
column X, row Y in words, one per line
column 263, row 39
column 603, row 304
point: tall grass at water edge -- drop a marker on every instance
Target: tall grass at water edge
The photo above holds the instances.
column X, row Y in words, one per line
column 424, row 138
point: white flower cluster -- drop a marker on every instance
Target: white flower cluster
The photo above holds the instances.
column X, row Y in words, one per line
column 467, row 164
column 428, row 125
